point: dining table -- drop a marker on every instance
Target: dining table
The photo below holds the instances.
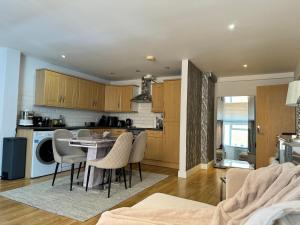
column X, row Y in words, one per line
column 97, row 148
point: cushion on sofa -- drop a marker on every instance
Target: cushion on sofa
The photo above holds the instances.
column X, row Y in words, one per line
column 164, row 201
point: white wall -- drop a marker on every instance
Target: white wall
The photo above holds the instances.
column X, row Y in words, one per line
column 246, row 85
column 9, row 81
column 183, row 118
column 28, row 68
column 144, row 117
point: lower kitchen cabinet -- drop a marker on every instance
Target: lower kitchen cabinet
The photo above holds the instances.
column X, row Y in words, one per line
column 171, row 142
column 154, row 145
column 160, row 150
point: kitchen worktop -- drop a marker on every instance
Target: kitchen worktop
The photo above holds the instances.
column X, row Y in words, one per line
column 80, row 127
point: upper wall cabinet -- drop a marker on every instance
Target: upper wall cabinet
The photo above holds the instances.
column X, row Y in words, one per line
column 53, row 89
column 118, row 98
column 172, row 93
column 59, row 90
column 158, row 98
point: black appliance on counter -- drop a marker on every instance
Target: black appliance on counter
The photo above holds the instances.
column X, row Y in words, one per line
column 112, row 121
column 37, row 121
column 129, row 122
column 121, row 123
column 14, row 158
column 102, row 121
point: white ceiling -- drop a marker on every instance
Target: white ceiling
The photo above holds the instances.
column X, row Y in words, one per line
column 100, row 37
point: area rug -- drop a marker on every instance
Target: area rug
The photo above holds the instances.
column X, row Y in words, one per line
column 78, row 204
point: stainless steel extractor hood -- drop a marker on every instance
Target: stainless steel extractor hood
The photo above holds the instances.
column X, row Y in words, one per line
column 145, row 96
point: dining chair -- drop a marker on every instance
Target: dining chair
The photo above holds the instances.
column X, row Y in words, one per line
column 63, row 153
column 137, row 153
column 117, row 158
column 83, row 133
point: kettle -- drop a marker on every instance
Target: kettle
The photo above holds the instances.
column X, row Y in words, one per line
column 129, row 122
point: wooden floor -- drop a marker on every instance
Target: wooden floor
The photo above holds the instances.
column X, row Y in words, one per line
column 202, row 186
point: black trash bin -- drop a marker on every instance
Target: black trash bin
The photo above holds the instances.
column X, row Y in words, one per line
column 14, row 158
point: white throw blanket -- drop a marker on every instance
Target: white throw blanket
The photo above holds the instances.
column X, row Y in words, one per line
column 263, row 189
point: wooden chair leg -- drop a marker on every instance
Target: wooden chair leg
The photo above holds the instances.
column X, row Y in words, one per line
column 109, row 182
column 140, row 170
column 72, row 174
column 87, row 179
column 54, row 176
column 130, row 175
column 124, row 176
column 79, row 170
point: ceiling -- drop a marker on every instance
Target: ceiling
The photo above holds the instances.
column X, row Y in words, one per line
column 110, row 39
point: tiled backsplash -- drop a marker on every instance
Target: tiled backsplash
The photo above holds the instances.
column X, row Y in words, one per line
column 143, row 118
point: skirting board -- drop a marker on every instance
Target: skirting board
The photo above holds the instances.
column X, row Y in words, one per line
column 201, row 166
column 160, row 163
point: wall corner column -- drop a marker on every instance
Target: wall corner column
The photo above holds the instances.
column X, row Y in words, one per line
column 183, row 119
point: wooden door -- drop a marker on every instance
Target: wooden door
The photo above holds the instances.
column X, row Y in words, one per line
column 126, row 96
column 68, row 90
column 112, row 98
column 172, row 92
column 158, row 98
column 273, row 117
column 84, row 95
column 171, row 142
column 52, row 85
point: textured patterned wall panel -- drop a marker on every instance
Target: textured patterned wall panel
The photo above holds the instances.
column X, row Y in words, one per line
column 200, row 117
column 193, row 133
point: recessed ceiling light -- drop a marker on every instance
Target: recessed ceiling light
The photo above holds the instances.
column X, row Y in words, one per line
column 231, row 26
column 150, row 58
column 63, row 56
column 245, row 65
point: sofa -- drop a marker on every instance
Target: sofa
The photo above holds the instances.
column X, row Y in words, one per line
column 269, row 195
column 234, row 180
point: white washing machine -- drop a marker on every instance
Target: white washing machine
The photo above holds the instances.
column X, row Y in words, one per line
column 42, row 155
column 42, row 162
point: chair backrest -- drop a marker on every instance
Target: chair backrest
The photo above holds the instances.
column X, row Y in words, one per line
column 62, row 148
column 119, row 154
column 138, row 148
column 84, row 133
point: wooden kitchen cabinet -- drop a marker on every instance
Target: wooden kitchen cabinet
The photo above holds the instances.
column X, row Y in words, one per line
column 112, row 98
column 118, row 98
column 84, row 96
column 154, row 147
column 68, row 91
column 97, row 96
column 158, row 98
column 171, row 136
column 54, row 89
column 172, row 93
column 126, row 96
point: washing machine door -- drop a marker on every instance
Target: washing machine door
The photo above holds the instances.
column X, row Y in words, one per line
column 44, row 151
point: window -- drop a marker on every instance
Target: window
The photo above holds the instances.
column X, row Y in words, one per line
column 236, row 99
column 235, row 134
